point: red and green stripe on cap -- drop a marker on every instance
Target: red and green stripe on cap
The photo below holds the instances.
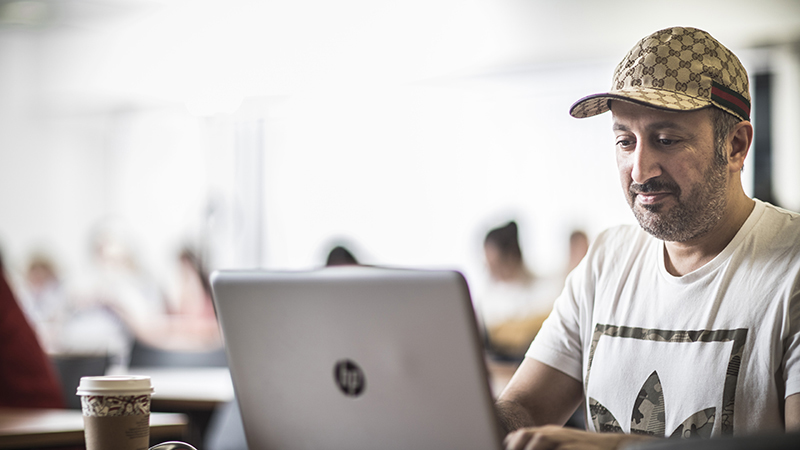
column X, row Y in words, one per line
column 731, row 100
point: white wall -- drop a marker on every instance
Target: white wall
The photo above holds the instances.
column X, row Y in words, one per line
column 51, row 168
column 785, row 61
column 410, row 175
column 367, row 132
column 416, row 175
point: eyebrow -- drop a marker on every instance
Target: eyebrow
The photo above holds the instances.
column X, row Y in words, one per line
column 664, row 124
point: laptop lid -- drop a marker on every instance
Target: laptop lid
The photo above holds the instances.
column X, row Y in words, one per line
column 356, row 358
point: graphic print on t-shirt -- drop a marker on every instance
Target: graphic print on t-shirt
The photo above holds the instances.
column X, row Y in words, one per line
column 666, row 382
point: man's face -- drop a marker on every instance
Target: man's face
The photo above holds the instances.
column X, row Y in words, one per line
column 674, row 185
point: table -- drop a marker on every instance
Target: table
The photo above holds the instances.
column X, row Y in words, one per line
column 25, row 428
column 194, row 391
column 186, row 388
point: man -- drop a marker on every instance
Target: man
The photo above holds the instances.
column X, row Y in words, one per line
column 688, row 325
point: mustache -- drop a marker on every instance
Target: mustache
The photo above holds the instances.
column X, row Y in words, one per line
column 654, row 185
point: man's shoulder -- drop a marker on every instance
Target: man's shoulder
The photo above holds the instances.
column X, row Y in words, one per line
column 781, row 216
column 780, row 226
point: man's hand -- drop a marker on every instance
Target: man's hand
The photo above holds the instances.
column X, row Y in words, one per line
column 555, row 437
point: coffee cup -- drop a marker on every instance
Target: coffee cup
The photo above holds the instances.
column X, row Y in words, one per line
column 116, row 412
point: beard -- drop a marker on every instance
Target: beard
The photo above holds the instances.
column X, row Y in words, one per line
column 696, row 213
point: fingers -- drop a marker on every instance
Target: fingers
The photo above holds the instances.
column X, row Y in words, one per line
column 554, row 437
column 528, row 439
column 518, row 439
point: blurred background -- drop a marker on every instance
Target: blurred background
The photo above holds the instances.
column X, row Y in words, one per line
column 263, row 133
column 146, row 143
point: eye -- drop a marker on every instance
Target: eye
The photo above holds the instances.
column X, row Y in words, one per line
column 666, row 142
column 623, row 143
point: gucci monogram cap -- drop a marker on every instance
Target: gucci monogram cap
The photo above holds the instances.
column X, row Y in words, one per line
column 677, row 69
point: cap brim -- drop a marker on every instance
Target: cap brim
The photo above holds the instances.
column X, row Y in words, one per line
column 593, row 105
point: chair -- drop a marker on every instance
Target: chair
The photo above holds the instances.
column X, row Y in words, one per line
column 71, row 367
column 143, row 355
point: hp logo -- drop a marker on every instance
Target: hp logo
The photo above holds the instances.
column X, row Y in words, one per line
column 349, row 377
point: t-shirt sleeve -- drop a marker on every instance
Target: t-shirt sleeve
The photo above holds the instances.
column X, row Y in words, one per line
column 791, row 358
column 558, row 343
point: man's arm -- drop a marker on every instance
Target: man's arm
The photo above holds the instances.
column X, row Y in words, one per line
column 538, row 395
column 792, row 412
column 515, row 414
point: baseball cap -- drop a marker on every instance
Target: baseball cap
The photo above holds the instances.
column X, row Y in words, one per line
column 676, row 69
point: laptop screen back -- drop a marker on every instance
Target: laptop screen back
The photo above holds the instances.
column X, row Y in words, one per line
column 356, row 358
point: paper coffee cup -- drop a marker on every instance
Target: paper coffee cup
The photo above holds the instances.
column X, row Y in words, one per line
column 116, row 412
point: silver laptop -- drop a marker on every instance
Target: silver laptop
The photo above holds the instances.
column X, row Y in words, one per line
column 356, row 358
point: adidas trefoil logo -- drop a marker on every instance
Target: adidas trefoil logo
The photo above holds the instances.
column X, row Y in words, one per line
column 648, row 416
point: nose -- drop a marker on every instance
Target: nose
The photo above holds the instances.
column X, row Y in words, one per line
column 645, row 163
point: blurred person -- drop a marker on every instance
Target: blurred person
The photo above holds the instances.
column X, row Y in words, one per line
column 27, row 378
column 578, row 246
column 43, row 299
column 190, row 323
column 112, row 299
column 515, row 302
column 341, row 256
column 192, row 294
column 687, row 325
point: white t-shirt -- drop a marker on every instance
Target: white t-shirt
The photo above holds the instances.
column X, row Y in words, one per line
column 710, row 353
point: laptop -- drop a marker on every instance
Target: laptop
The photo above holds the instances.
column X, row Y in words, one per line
column 356, row 358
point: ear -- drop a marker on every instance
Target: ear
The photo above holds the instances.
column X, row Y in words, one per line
column 740, row 139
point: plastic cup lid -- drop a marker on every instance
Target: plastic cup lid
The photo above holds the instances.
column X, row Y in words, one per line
column 115, row 384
